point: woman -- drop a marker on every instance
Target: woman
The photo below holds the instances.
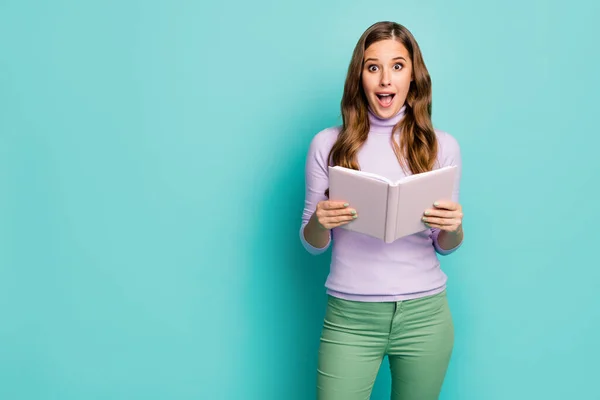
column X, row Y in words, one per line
column 383, row 299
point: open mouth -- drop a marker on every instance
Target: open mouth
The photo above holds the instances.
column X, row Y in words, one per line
column 385, row 99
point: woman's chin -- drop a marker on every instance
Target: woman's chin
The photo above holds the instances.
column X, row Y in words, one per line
column 384, row 112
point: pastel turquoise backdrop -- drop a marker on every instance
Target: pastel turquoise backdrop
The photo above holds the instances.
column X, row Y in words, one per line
column 151, row 172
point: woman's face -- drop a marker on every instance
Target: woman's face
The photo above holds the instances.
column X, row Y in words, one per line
column 386, row 76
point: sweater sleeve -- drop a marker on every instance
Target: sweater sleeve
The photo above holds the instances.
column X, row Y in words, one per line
column 316, row 178
column 450, row 155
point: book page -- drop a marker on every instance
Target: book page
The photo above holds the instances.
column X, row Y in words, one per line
column 421, row 175
column 364, row 174
column 366, row 195
column 417, row 195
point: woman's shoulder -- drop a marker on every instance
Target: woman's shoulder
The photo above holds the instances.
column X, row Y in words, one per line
column 325, row 139
column 449, row 148
column 328, row 134
column 446, row 141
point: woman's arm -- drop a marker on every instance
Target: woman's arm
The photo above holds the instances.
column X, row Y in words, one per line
column 447, row 234
column 316, row 235
column 450, row 240
column 316, row 179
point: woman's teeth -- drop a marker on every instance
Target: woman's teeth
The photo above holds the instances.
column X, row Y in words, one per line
column 385, row 99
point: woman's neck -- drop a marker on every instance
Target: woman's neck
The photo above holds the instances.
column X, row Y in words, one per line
column 384, row 125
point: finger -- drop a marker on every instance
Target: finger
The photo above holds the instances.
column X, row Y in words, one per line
column 331, row 223
column 344, row 222
column 337, row 212
column 441, row 221
column 442, row 227
column 446, row 205
column 341, row 218
column 345, row 211
column 334, row 205
column 434, row 212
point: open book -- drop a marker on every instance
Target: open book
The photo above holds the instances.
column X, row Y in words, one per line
column 389, row 210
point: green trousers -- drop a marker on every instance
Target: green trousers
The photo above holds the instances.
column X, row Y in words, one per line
column 416, row 335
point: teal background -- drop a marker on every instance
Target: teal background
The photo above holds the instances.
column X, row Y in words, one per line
column 151, row 178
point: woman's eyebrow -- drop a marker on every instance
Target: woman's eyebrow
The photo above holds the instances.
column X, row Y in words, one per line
column 375, row 59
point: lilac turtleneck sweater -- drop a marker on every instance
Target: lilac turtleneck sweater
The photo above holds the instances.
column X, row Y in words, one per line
column 364, row 268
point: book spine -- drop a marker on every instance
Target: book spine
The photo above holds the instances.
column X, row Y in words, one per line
column 391, row 214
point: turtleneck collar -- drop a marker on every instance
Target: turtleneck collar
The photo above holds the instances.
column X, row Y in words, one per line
column 384, row 126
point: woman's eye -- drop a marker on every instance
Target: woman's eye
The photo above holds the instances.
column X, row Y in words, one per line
column 373, row 68
column 398, row 66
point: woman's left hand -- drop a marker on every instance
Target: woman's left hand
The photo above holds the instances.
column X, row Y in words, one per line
column 445, row 215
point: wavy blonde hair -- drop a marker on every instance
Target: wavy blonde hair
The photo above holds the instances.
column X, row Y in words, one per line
column 417, row 147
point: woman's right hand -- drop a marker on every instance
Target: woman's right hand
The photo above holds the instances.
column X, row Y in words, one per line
column 331, row 214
